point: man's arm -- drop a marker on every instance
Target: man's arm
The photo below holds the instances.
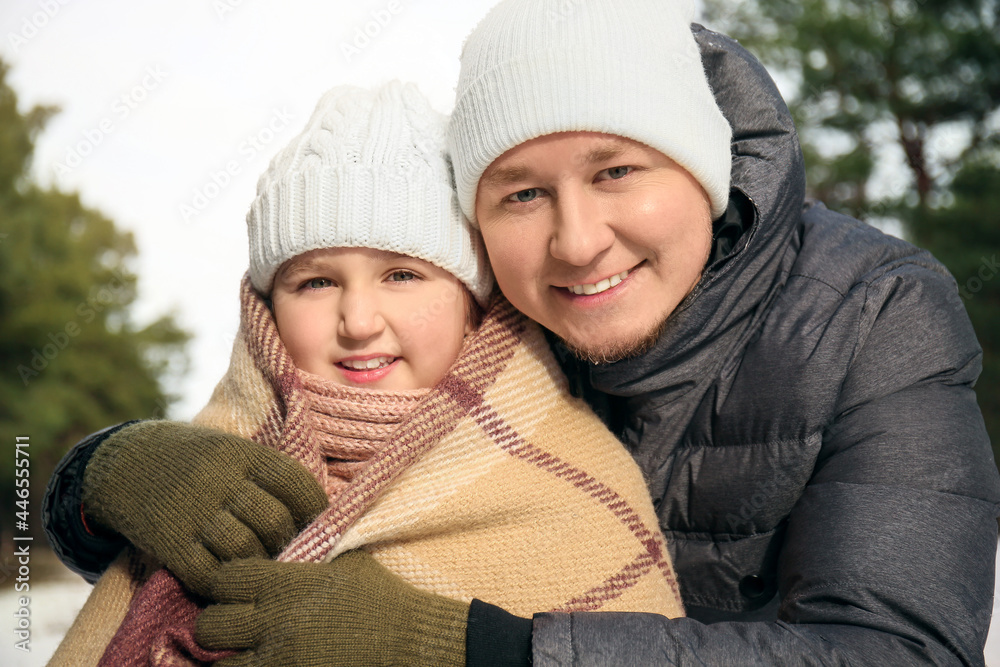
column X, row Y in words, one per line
column 83, row 548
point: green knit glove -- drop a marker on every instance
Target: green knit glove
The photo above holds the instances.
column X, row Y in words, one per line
column 193, row 496
column 351, row 611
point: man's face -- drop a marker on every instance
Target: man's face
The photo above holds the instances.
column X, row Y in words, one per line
column 596, row 237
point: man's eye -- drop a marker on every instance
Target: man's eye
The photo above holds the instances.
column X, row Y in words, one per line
column 317, row 283
column 618, row 172
column 402, row 276
column 525, row 195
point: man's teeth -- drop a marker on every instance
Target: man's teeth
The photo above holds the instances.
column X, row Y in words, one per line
column 597, row 288
column 367, row 364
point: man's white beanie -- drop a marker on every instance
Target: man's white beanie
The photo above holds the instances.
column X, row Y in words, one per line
column 624, row 67
column 370, row 170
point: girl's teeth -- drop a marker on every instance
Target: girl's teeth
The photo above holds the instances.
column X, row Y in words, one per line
column 369, row 364
column 602, row 286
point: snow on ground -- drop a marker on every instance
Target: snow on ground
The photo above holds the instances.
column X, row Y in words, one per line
column 53, row 606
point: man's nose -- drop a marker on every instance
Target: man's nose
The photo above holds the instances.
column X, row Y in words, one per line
column 580, row 231
column 360, row 315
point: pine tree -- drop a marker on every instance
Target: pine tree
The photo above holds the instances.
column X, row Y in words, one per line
column 72, row 359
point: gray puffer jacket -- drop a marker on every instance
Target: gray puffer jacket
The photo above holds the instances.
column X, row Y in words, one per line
column 809, row 432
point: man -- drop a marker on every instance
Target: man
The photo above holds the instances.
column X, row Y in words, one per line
column 796, row 386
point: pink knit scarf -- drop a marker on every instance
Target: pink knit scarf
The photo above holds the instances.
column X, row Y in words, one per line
column 350, row 425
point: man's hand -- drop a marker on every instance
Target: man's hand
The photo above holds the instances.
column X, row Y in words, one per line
column 193, row 496
column 351, row 611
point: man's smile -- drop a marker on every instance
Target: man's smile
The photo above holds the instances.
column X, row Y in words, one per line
column 600, row 286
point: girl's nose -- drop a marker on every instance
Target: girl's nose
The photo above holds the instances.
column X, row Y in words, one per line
column 360, row 316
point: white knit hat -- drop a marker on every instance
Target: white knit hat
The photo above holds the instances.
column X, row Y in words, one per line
column 370, row 170
column 629, row 68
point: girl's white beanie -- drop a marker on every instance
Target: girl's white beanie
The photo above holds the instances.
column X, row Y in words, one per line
column 624, row 67
column 370, row 170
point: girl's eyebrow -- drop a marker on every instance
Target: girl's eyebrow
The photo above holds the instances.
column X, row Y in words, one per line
column 304, row 266
column 318, row 265
column 386, row 256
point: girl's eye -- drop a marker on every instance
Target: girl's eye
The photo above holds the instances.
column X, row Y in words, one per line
column 318, row 283
column 402, row 276
column 618, row 172
column 524, row 195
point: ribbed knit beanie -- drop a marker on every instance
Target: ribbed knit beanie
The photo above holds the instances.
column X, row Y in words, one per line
column 370, row 170
column 629, row 68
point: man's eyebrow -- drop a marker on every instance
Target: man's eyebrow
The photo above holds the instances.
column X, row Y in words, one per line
column 514, row 173
column 506, row 175
column 604, row 153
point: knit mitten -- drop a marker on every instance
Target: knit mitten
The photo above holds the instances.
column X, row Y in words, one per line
column 351, row 611
column 193, row 496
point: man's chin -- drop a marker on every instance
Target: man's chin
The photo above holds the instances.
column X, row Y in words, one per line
column 608, row 352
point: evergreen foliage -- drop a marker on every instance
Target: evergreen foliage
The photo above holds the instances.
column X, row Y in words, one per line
column 72, row 360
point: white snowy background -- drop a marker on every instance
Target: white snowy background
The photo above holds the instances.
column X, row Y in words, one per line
column 170, row 110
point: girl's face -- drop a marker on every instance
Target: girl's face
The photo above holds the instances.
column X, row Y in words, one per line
column 371, row 318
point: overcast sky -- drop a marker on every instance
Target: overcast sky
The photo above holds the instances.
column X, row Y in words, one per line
column 159, row 98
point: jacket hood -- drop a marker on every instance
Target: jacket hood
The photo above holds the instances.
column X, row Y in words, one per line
column 766, row 200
